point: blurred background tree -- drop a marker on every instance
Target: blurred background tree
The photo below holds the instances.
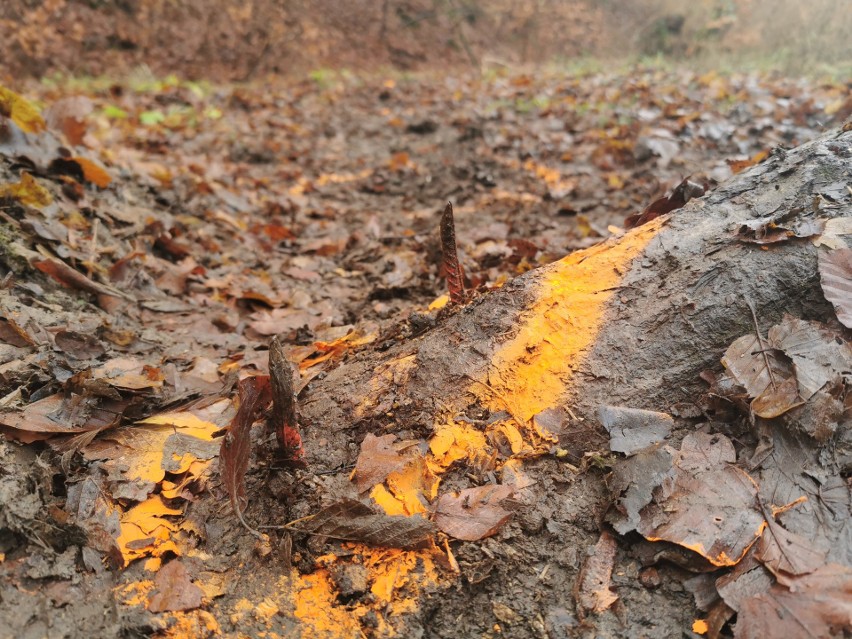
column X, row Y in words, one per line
column 238, row 39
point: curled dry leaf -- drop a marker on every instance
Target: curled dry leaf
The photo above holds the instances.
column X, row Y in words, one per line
column 592, row 590
column 451, row 266
column 473, row 513
column 682, row 193
column 255, row 394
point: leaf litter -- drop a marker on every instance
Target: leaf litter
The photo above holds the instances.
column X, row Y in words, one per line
column 110, row 244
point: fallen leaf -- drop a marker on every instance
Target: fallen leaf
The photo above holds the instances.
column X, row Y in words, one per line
column 817, row 605
column 764, row 373
column 350, row 520
column 174, row 590
column 819, row 354
column 632, row 429
column 27, row 191
column 783, row 551
column 93, row 172
column 473, row 513
column 255, row 393
column 592, row 590
column 708, row 506
column 835, row 230
column 376, row 461
column 20, row 111
column 835, row 270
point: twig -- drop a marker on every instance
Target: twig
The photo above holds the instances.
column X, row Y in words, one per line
column 760, row 343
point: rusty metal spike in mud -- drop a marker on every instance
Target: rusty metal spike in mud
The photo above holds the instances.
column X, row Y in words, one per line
column 283, row 397
column 452, row 268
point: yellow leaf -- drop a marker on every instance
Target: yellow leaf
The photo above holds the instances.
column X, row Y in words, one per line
column 20, row 111
column 439, row 302
column 27, row 192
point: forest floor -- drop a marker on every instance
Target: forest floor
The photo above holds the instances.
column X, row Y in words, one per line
column 159, row 233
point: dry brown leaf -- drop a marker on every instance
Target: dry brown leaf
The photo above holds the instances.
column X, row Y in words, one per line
column 592, row 590
column 764, row 373
column 835, row 270
column 813, row 606
column 350, row 520
column 93, row 172
column 174, row 590
column 376, row 461
column 819, row 354
column 783, row 551
column 473, row 513
column 709, row 507
column 255, row 393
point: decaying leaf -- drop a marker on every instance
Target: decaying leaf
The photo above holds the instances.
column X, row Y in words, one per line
column 451, row 266
column 174, row 590
column 765, row 373
column 255, row 393
column 710, row 507
column 592, row 590
column 632, row 429
column 20, row 111
column 783, row 551
column 376, row 461
column 473, row 513
column 27, row 191
column 772, row 230
column 682, row 193
column 633, row 483
column 695, row 499
column 819, row 354
column 835, row 270
column 816, row 605
column 350, row 520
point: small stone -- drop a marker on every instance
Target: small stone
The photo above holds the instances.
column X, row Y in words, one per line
column 350, row 579
column 650, row 578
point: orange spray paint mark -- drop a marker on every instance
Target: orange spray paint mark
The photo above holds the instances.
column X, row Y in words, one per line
column 531, row 372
